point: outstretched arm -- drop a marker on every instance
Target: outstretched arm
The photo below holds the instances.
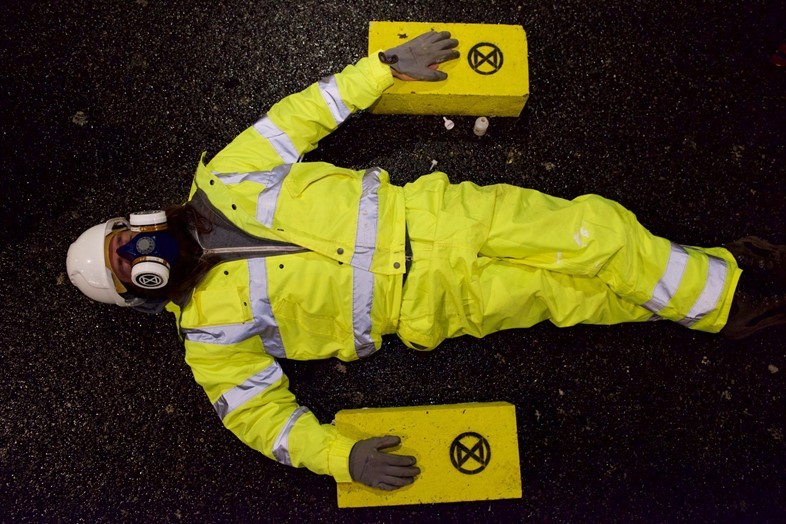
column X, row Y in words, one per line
column 250, row 395
column 296, row 124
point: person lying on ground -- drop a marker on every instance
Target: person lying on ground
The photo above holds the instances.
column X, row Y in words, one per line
column 273, row 258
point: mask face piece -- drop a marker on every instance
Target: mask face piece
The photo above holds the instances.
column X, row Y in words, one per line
column 151, row 255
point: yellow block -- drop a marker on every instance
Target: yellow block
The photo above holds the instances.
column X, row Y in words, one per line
column 491, row 78
column 464, row 452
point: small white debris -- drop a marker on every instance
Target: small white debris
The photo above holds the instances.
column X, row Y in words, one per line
column 773, row 368
column 433, row 165
column 448, row 123
column 481, row 126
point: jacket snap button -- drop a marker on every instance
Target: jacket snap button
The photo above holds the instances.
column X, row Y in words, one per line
column 340, row 251
column 234, row 206
column 396, row 265
column 212, row 182
column 226, row 272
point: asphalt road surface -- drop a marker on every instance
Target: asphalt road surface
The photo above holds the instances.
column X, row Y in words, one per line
column 672, row 108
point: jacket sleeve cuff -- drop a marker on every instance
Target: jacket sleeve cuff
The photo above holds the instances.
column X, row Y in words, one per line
column 382, row 74
column 338, row 458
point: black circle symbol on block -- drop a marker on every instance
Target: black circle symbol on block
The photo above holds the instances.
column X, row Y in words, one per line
column 470, row 453
column 485, row 58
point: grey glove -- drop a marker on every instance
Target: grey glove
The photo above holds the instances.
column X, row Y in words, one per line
column 373, row 467
column 413, row 58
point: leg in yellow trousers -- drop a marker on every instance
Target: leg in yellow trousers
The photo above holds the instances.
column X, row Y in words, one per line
column 501, row 257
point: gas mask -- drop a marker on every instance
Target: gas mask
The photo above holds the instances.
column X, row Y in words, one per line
column 152, row 252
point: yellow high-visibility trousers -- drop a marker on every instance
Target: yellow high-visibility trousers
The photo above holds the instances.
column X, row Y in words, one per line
column 487, row 258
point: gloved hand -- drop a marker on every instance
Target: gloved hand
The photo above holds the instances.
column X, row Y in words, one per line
column 417, row 59
column 373, row 467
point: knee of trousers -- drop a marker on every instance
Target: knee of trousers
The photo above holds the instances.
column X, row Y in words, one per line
column 609, row 223
column 612, row 214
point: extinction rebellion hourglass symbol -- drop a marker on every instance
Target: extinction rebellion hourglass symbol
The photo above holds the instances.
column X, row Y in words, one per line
column 470, row 453
column 485, row 58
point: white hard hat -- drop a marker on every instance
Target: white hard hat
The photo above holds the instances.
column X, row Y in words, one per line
column 86, row 265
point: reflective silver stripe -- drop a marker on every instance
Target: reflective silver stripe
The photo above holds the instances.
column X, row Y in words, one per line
column 224, row 334
column 262, row 324
column 670, row 281
column 231, row 178
column 268, row 197
column 711, row 294
column 253, row 386
column 362, row 297
column 362, row 278
column 368, row 216
column 281, row 445
column 329, row 89
column 267, row 327
column 278, row 139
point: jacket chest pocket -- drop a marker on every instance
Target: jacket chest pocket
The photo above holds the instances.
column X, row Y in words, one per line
column 222, row 306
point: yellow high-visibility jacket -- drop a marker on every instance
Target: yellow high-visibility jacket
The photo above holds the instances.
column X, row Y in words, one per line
column 335, row 300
